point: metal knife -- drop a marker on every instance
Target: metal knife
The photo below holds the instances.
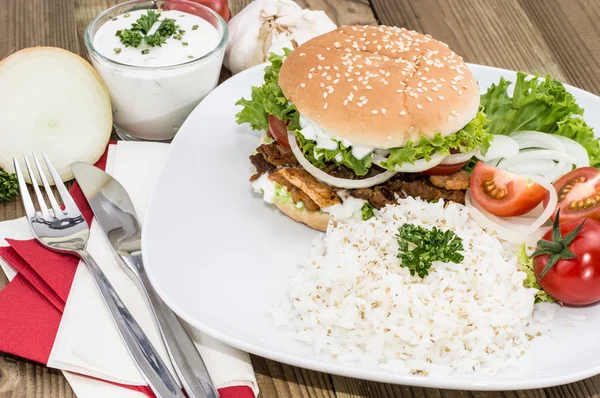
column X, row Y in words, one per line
column 116, row 216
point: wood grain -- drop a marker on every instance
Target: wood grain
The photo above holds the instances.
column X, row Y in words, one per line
column 560, row 37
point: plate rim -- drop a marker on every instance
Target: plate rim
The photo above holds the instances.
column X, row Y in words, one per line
column 339, row 368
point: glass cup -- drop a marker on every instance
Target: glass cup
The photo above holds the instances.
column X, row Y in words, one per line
column 151, row 103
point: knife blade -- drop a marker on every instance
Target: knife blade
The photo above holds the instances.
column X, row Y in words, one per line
column 116, row 216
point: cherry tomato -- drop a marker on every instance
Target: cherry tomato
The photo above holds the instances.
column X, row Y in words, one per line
column 444, row 169
column 221, row 7
column 503, row 193
column 574, row 281
column 578, row 194
column 279, row 131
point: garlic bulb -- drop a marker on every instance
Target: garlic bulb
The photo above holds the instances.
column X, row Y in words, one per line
column 266, row 26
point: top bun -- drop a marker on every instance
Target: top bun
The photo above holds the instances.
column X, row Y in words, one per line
column 380, row 86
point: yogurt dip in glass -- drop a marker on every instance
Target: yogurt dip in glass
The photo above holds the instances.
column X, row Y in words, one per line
column 154, row 88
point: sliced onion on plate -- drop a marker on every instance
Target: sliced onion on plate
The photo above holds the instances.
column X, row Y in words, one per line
column 501, row 147
column 458, row 158
column 331, row 180
column 417, row 166
column 514, row 229
column 52, row 100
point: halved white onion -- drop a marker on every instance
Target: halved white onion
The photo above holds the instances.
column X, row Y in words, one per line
column 331, row 180
column 458, row 158
column 52, row 100
column 501, row 147
column 417, row 166
column 514, row 229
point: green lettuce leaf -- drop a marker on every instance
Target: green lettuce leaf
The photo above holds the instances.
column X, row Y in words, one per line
column 367, row 211
column 268, row 99
column 473, row 136
column 577, row 129
column 535, row 105
column 321, row 157
column 526, row 265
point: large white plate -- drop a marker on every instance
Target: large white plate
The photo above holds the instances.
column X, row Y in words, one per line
column 220, row 256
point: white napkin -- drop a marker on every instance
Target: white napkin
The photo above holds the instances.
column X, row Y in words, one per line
column 86, row 318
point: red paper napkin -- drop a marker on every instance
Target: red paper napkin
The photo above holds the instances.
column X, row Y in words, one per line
column 31, row 305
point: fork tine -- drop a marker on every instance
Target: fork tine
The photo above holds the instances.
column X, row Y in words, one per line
column 40, row 198
column 55, row 206
column 70, row 206
column 27, row 203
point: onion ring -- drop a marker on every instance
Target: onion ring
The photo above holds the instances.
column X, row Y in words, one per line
column 331, row 180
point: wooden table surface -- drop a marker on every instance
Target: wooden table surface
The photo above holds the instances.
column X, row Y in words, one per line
column 559, row 37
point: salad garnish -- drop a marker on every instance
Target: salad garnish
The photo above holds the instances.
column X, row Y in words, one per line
column 542, row 105
column 419, row 247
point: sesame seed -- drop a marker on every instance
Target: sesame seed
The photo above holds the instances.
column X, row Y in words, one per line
column 450, row 118
column 360, row 104
column 324, row 74
column 322, row 84
column 355, row 88
column 383, row 111
column 435, row 89
column 310, row 75
column 459, row 92
column 345, row 102
column 336, row 81
column 402, row 113
column 302, row 54
column 429, row 99
column 324, row 95
column 325, row 106
column 328, row 78
column 302, row 85
column 374, row 112
column 419, row 106
column 319, row 67
column 369, row 88
column 441, row 98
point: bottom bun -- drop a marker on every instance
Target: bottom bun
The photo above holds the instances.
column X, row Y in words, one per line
column 313, row 219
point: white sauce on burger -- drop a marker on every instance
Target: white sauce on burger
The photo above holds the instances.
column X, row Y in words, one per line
column 311, row 131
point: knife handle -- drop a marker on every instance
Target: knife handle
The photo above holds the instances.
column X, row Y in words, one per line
column 184, row 355
column 149, row 363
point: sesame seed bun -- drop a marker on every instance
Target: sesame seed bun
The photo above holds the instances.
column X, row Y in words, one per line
column 380, row 86
column 313, row 219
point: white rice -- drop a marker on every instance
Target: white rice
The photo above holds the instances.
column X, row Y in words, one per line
column 354, row 301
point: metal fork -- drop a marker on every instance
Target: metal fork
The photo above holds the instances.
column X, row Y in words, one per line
column 65, row 231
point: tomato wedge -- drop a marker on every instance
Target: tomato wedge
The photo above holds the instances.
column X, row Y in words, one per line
column 444, row 169
column 503, row 193
column 279, row 131
column 578, row 194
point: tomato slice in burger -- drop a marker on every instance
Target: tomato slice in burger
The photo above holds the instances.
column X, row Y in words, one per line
column 444, row 169
column 578, row 194
column 503, row 193
column 279, row 131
